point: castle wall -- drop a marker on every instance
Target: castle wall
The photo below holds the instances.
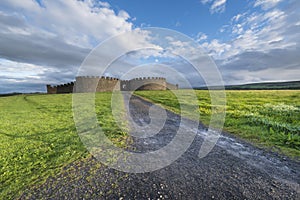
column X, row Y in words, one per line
column 95, row 83
column 107, row 84
column 146, row 83
column 85, row 84
column 66, row 88
column 51, row 90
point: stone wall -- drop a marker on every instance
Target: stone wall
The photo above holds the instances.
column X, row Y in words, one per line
column 60, row 89
column 107, row 84
column 51, row 90
column 95, row 83
column 104, row 84
column 65, row 88
column 145, row 83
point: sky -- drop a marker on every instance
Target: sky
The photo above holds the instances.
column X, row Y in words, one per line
column 45, row 41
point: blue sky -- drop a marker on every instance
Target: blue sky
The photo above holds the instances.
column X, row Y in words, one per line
column 189, row 17
column 45, row 41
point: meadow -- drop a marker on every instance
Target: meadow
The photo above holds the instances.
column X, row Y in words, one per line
column 38, row 135
column 38, row 138
column 267, row 118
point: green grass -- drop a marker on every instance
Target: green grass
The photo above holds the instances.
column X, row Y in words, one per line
column 38, row 137
column 266, row 118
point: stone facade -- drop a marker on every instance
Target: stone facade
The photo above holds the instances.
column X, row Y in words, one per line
column 106, row 84
column 145, row 83
column 98, row 84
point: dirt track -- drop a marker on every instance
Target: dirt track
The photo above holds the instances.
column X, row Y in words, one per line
column 233, row 170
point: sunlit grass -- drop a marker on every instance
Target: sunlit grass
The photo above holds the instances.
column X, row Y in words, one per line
column 268, row 118
column 38, row 137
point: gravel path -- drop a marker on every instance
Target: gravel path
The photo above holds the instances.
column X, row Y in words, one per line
column 232, row 170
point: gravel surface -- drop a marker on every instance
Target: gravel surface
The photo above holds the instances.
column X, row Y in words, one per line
column 234, row 169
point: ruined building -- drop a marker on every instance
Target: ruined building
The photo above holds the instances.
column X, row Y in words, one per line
column 106, row 84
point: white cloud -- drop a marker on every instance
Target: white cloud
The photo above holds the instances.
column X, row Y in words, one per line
column 79, row 23
column 216, row 48
column 266, row 4
column 124, row 15
column 48, row 42
column 11, row 69
column 201, row 37
column 104, row 4
column 256, row 31
column 237, row 29
column 216, row 6
column 262, row 41
column 237, row 17
column 25, row 77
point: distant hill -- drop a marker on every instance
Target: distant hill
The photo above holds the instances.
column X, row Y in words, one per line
column 10, row 94
column 291, row 85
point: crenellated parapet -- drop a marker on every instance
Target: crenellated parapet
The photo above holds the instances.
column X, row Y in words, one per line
column 51, row 90
column 60, row 89
column 96, row 84
column 144, row 83
column 85, row 84
column 148, row 78
column 97, row 77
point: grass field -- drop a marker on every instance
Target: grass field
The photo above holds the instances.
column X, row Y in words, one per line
column 267, row 118
column 38, row 137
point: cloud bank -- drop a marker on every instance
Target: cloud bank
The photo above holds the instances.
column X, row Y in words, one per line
column 264, row 44
column 54, row 36
column 46, row 41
